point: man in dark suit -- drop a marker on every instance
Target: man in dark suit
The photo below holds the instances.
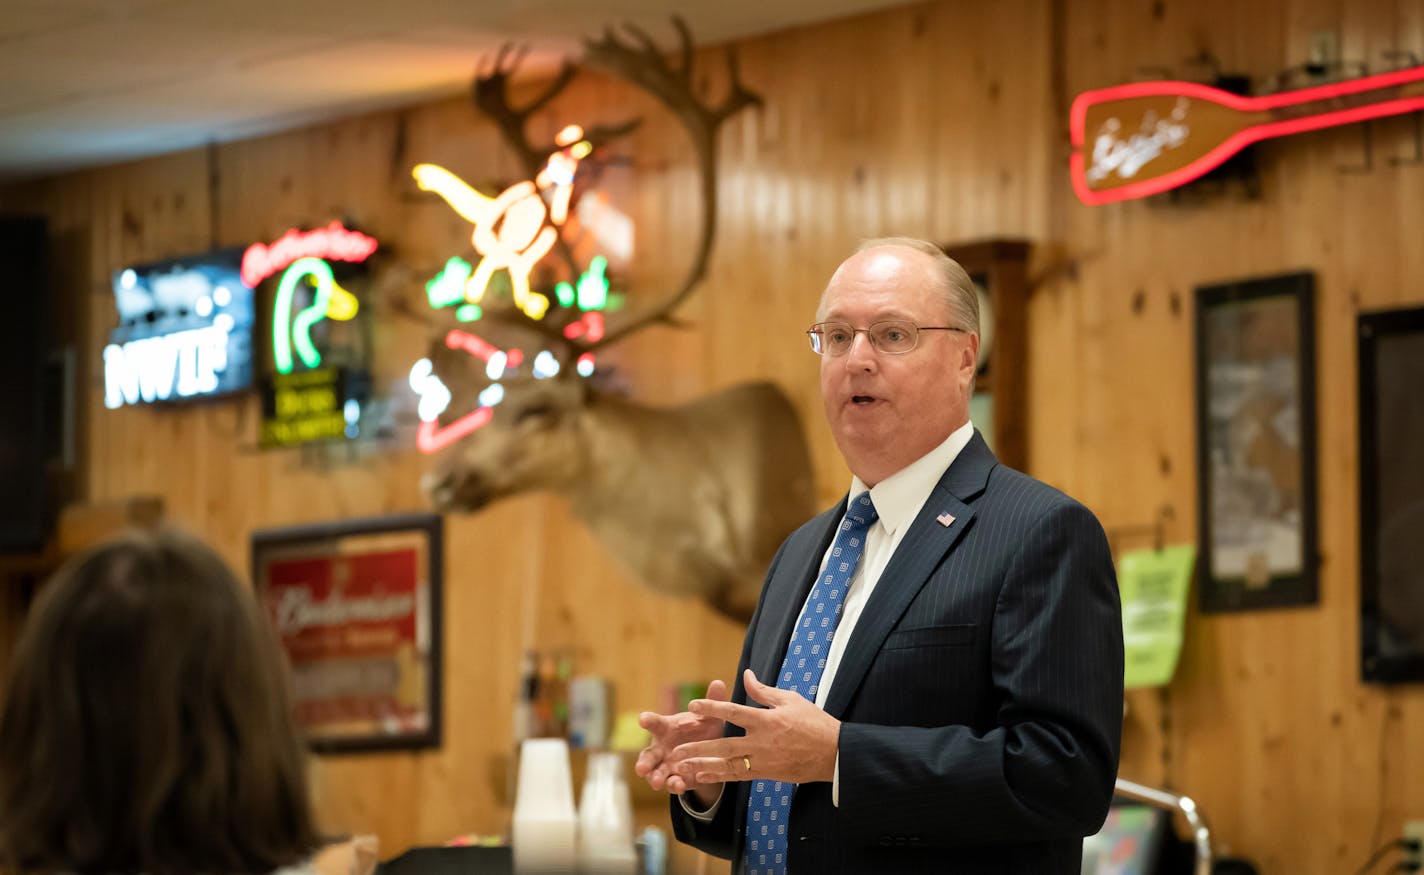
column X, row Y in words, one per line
column 942, row 652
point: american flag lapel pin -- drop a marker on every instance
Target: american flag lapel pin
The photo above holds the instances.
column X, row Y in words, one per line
column 945, row 519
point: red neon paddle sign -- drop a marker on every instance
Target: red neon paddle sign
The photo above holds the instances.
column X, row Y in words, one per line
column 1134, row 140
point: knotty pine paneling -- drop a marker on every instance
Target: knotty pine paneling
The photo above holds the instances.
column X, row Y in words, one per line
column 940, row 119
column 1295, row 763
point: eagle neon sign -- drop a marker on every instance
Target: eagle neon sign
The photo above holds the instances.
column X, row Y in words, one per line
column 512, row 232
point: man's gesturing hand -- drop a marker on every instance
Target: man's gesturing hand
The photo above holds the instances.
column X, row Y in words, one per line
column 788, row 740
column 656, row 764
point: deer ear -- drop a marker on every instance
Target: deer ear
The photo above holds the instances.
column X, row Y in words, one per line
column 608, row 381
column 539, row 412
column 550, row 402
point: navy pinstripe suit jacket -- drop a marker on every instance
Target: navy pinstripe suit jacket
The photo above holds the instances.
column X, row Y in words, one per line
column 980, row 693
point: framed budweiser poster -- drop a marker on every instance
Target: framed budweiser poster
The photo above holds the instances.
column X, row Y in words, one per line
column 356, row 607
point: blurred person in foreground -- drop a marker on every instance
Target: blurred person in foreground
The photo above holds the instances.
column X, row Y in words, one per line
column 933, row 678
column 147, row 725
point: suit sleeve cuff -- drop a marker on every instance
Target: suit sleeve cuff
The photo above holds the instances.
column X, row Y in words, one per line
column 689, row 802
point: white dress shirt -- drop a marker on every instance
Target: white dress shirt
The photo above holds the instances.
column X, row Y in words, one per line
column 898, row 500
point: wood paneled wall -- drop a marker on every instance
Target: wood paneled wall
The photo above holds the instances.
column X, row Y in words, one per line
column 945, row 120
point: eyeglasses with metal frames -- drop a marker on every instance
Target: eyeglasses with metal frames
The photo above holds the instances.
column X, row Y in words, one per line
column 893, row 336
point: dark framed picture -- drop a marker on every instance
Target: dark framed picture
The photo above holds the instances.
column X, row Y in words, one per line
column 1391, row 370
column 356, row 606
column 1255, row 379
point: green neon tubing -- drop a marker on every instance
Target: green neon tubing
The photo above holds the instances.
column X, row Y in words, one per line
column 300, row 328
column 448, row 287
column 593, row 285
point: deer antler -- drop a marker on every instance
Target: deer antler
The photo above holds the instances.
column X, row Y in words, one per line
column 637, row 60
column 643, row 65
column 491, row 94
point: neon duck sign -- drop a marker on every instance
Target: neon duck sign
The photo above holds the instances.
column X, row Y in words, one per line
column 304, row 401
column 305, row 255
column 1135, row 140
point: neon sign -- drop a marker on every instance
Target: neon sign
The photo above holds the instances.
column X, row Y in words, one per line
column 333, row 243
column 559, row 170
column 435, row 396
column 306, row 401
column 185, row 331
column 178, row 365
column 1135, row 140
column 304, row 256
column 516, row 247
column 513, row 231
column 317, row 405
column 510, row 231
column 331, row 300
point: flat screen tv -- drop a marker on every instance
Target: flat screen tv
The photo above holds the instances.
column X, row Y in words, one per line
column 184, row 332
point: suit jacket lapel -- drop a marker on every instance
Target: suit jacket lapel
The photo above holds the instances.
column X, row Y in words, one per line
column 794, row 576
column 918, row 554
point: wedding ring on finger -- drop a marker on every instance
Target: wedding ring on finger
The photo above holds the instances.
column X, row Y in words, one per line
column 747, row 761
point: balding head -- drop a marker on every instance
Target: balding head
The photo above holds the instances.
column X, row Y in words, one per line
column 961, row 300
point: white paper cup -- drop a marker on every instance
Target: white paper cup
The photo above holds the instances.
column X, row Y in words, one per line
column 544, row 832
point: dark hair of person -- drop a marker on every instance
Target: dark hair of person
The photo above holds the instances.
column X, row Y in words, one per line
column 146, row 726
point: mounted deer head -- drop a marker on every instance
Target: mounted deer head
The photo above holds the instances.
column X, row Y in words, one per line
column 694, row 499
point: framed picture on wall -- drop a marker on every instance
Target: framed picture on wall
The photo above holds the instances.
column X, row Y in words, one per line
column 356, row 606
column 1255, row 380
column 1391, row 359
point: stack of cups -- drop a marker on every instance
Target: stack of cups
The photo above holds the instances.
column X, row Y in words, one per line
column 605, row 820
column 544, row 830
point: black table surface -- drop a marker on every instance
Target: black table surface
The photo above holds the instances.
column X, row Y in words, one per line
column 471, row 860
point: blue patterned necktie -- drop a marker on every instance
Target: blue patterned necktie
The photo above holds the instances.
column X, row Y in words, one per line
column 770, row 801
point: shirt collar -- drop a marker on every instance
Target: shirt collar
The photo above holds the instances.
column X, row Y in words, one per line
column 899, row 497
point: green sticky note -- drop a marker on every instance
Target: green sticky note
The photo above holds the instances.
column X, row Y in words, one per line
column 1154, row 585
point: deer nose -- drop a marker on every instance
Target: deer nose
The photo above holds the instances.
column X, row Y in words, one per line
column 454, row 490
column 439, row 487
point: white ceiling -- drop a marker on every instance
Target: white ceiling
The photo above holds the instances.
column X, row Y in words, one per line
column 92, row 82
